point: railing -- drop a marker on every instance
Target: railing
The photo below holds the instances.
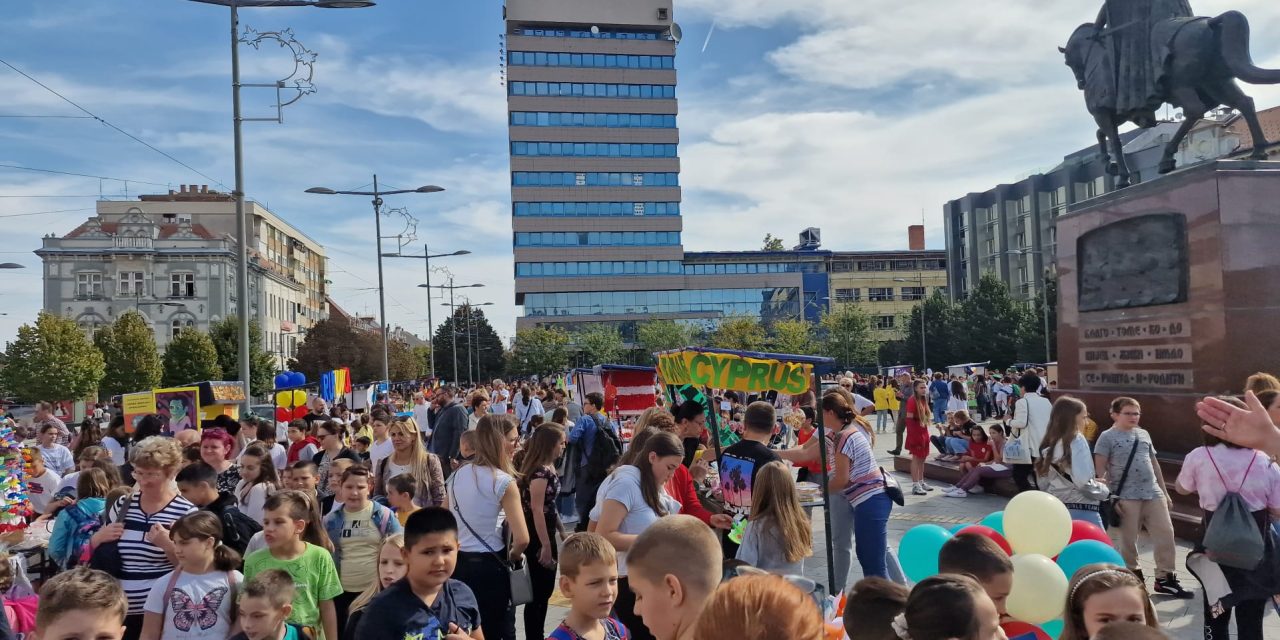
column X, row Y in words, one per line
column 131, row 243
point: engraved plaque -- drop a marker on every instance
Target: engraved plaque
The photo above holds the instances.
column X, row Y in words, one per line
column 1138, row 262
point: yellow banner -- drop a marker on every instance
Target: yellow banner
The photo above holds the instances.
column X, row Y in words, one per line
column 136, row 405
column 734, row 372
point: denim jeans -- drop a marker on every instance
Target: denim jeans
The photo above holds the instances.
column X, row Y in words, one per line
column 1085, row 515
column 957, row 446
column 940, row 411
column 490, row 581
column 870, row 530
column 882, row 419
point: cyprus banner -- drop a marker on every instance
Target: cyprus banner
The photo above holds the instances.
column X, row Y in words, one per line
column 733, row 371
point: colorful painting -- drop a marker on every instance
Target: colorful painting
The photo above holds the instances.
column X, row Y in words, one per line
column 178, row 409
column 135, row 406
column 735, row 482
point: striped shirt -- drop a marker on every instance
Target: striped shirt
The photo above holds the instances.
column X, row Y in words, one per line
column 865, row 480
column 143, row 563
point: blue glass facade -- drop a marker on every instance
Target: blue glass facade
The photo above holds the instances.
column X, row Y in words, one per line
column 601, row 268
column 594, row 149
column 764, row 302
column 595, row 208
column 587, row 33
column 588, row 60
column 597, row 238
column 593, row 179
column 575, row 119
column 592, row 90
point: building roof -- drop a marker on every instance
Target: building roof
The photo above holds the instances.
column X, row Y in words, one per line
column 1268, row 118
column 167, row 230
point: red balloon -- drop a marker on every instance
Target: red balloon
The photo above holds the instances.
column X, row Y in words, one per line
column 990, row 533
column 1018, row 630
column 282, row 414
column 1081, row 530
column 300, row 413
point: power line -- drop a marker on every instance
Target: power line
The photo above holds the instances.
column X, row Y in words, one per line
column 80, row 175
column 10, row 115
column 38, row 213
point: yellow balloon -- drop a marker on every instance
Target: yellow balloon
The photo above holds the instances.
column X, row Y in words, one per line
column 284, row 399
column 1039, row 591
column 300, row 400
column 1036, row 522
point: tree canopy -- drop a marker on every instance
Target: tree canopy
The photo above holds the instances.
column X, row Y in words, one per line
column 190, row 357
column 225, row 335
column 600, row 344
column 476, row 340
column 129, row 352
column 743, row 333
column 537, row 351
column 847, row 336
column 661, row 335
column 52, row 360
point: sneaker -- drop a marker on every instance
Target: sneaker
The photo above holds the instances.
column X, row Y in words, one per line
column 926, row 486
column 977, row 489
column 956, row 493
column 1169, row 586
column 918, row 490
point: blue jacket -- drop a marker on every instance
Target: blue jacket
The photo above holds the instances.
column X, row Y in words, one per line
column 941, row 390
column 65, row 527
column 383, row 518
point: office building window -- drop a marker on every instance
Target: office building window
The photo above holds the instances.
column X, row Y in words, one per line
column 848, row 295
column 904, row 265
column 130, row 283
column 593, row 179
column 722, row 268
column 597, row 238
column 880, row 294
column 598, row 34
column 592, row 90
column 913, row 293
column 595, row 208
column 182, row 285
column 603, row 268
column 841, row 266
column 936, row 265
column 757, row 302
column 88, row 285
column 589, row 60
column 873, row 265
column 574, row 119
column 594, row 149
column 884, row 322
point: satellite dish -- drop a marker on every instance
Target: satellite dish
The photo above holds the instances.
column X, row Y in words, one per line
column 676, row 32
column 595, row 31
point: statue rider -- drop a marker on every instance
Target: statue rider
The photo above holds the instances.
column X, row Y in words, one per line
column 1139, row 35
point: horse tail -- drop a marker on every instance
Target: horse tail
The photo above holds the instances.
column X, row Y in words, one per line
column 1232, row 30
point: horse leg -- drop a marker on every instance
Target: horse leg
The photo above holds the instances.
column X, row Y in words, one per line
column 1120, row 163
column 1193, row 109
column 1230, row 94
column 1102, row 148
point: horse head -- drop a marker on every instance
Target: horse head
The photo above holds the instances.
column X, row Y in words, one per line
column 1079, row 46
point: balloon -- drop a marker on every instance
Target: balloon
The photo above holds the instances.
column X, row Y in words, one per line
column 284, row 399
column 1079, row 554
column 1039, row 589
column 282, row 414
column 281, row 380
column 918, row 551
column 958, row 528
column 1018, row 630
column 1036, row 522
column 989, row 533
column 300, row 413
column 300, row 378
column 995, row 520
column 299, row 398
column 1053, row 628
column 1082, row 530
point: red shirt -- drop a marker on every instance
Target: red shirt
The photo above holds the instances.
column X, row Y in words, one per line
column 980, row 450
column 680, row 486
column 801, row 438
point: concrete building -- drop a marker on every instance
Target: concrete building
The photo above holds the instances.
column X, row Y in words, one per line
column 172, row 257
column 887, row 285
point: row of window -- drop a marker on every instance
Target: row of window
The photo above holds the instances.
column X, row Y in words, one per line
column 593, row 179
column 879, row 294
column 842, row 266
column 597, row 238
column 595, row 149
column 130, row 283
column 613, row 268
column 571, row 119
column 727, row 301
column 596, row 208
column 583, row 33
column 592, row 90
column 745, row 267
column 595, row 60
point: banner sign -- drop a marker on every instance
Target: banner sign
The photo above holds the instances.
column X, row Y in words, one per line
column 736, row 372
column 178, row 409
column 135, row 406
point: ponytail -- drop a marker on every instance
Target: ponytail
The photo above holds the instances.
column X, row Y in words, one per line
column 203, row 524
column 302, row 506
column 225, row 558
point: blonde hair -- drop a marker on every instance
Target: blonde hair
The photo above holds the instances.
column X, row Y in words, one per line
column 1091, row 580
column 1260, row 382
column 80, row 589
column 760, row 607
column 681, row 546
column 775, row 504
column 582, row 549
column 1064, row 426
column 655, row 417
column 157, row 452
column 420, row 465
column 396, row 540
column 491, row 433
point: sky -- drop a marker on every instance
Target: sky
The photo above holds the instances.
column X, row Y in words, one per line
column 859, row 118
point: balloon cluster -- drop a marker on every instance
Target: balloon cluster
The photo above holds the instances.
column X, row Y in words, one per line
column 290, row 405
column 1046, row 546
column 14, row 503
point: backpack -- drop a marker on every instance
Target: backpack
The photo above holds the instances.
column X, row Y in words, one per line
column 83, row 526
column 237, row 529
column 605, row 452
column 1232, row 538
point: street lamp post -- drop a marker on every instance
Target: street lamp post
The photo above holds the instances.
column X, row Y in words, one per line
column 468, row 304
column 11, row 265
column 1044, row 300
column 377, row 227
column 431, row 328
column 452, row 324
column 924, row 299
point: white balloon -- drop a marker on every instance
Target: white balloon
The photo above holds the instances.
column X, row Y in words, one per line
column 1039, row 591
column 1036, row 522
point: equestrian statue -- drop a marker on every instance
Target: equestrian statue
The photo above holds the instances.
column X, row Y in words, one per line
column 1140, row 54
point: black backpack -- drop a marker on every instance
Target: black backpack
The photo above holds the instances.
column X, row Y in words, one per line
column 605, row 452
column 237, row 529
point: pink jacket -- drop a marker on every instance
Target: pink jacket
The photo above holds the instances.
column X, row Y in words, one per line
column 21, row 613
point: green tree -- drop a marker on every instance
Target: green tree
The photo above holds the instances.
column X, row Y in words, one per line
column 332, row 344
column 402, row 362
column 1031, row 343
column 793, row 337
column 129, row 351
column 52, row 360
column 941, row 330
column 262, row 365
column 600, row 344
column 773, row 244
column 538, row 351
column 190, row 357
column 476, row 340
column 988, row 325
column 743, row 333
column 847, row 336
column 661, row 335
column 422, row 358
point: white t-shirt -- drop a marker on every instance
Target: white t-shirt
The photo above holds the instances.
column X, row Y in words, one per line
column 40, row 489
column 420, row 413
column 498, row 403
column 861, row 404
column 69, row 481
column 623, row 486
column 480, row 489
column 380, row 450
column 58, row 458
column 115, row 449
column 199, row 606
column 253, row 505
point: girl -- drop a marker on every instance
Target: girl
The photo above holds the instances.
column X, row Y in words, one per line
column 1100, row 594
column 298, row 545
column 357, row 529
column 409, row 456
column 959, row 400
column 949, row 607
column 391, row 567
column 217, row 448
column 539, row 487
column 760, row 607
column 90, row 436
column 1064, row 467
column 917, row 443
column 778, row 536
column 117, row 441
column 329, row 434
column 994, row 468
column 257, row 481
column 979, row 449
column 65, row 542
column 197, row 599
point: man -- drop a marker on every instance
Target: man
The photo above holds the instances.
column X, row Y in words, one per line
column 500, row 397
column 740, row 462
column 600, row 448
column 318, row 414
column 1131, row 29
column 1030, row 422
column 905, row 387
column 573, row 408
column 451, row 421
column 44, row 415
column 940, row 395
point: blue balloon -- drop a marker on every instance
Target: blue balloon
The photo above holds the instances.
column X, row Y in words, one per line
column 1084, row 552
column 1053, row 628
column 282, row 380
column 995, row 520
column 918, row 551
column 302, row 378
column 295, row 379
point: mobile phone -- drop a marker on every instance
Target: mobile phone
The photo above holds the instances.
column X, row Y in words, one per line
column 697, row 455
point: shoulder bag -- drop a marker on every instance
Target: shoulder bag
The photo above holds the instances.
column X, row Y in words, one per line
column 518, row 571
column 1110, row 507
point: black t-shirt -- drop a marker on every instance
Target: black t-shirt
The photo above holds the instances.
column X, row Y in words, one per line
column 690, row 449
column 398, row 613
column 738, row 467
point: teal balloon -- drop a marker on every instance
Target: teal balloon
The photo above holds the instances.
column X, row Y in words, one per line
column 1053, row 628
column 918, row 551
column 995, row 520
column 956, row 529
column 1084, row 552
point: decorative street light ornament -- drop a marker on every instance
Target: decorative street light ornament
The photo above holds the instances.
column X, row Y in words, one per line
column 299, row 80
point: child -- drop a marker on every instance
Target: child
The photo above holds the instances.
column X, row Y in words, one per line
column 1129, row 631
column 19, row 611
column 257, row 481
column 297, row 544
column 73, row 525
column 992, row 469
column 980, row 557
column 1100, row 594
column 357, row 530
column 427, row 603
column 80, row 603
column 391, row 567
column 304, row 477
column 466, row 448
column 361, row 447
column 400, row 490
column 589, row 579
column 301, row 445
column 265, row 605
column 979, row 449
column 947, row 607
column 760, row 607
column 57, row 457
column 778, row 535
column 88, row 456
column 676, row 551
column 194, row 600
column 198, row 483
column 872, row 605
column 331, row 502
column 267, row 438
column 42, row 482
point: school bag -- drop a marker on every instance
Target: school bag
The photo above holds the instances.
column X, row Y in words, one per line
column 605, row 452
column 1232, row 538
column 83, row 526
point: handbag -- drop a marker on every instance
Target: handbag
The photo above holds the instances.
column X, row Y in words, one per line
column 1110, row 507
column 106, row 556
column 893, row 489
column 1016, row 450
column 517, row 572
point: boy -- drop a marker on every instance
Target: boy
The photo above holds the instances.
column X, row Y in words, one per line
column 265, row 604
column 466, row 449
column 980, row 557
column 197, row 482
column 80, row 604
column 42, row 482
column 427, row 603
column 330, row 503
column 589, row 579
column 740, row 462
column 267, row 436
column 304, row 477
column 357, row 530
column 361, row 447
column 400, row 490
column 872, row 605
column 673, row 568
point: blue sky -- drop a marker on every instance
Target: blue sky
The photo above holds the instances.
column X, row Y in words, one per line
column 828, row 113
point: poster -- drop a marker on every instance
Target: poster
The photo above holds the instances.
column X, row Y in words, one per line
column 734, row 371
column 136, row 405
column 178, row 409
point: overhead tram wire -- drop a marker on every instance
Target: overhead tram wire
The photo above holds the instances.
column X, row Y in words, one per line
column 81, row 175
column 40, row 213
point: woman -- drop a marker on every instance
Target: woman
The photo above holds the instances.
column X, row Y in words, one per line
column 527, row 406
column 691, row 426
column 409, row 456
column 138, row 524
column 631, row 499
column 331, row 448
column 480, row 492
column 217, row 449
column 884, row 400
column 479, row 405
column 539, row 487
column 90, row 435
column 1003, row 390
column 858, row 480
column 1065, row 465
column 811, row 470
column 1211, row 471
column 116, row 441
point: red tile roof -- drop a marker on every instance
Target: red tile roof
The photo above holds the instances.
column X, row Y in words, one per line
column 167, row 230
column 1270, row 121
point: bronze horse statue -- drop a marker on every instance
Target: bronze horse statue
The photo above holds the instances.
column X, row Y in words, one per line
column 1205, row 58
